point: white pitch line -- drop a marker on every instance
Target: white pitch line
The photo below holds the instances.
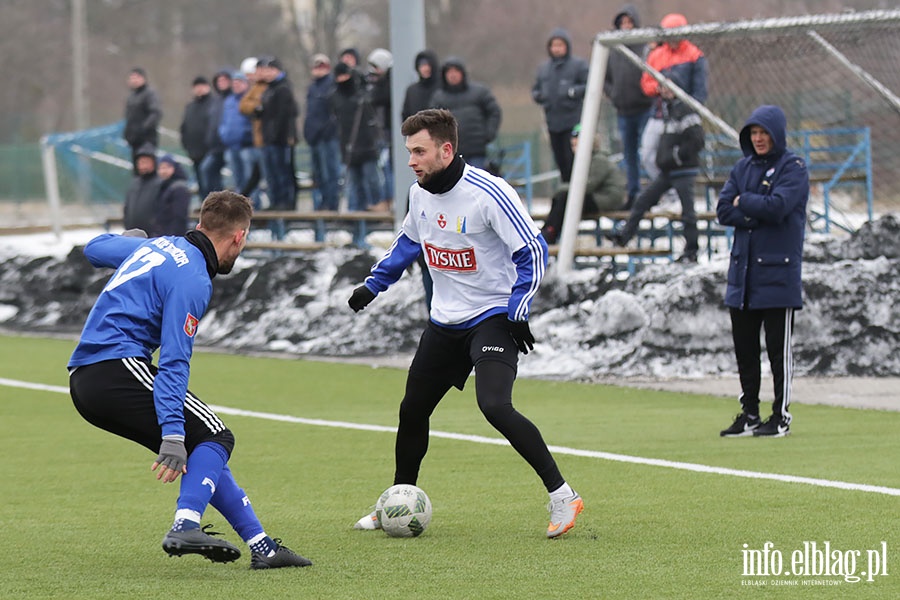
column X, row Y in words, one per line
column 478, row 439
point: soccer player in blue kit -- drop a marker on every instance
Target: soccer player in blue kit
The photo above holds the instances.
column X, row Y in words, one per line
column 155, row 300
column 487, row 259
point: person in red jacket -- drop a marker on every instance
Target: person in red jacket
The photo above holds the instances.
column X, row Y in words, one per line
column 683, row 63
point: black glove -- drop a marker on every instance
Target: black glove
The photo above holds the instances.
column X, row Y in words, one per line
column 360, row 298
column 521, row 335
column 172, row 454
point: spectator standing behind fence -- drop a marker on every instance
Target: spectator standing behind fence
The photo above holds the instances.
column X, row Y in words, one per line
column 476, row 110
column 174, row 200
column 359, row 133
column 683, row 63
column 604, row 190
column 236, row 133
column 418, row 97
column 143, row 113
column 278, row 113
column 559, row 89
column 142, row 196
column 320, row 130
column 623, row 87
column 195, row 124
column 678, row 159
column 765, row 201
column 381, row 62
column 249, row 106
column 212, row 164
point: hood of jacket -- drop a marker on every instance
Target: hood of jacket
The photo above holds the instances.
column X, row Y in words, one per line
column 772, row 119
column 457, row 62
column 629, row 10
column 560, row 33
column 429, row 56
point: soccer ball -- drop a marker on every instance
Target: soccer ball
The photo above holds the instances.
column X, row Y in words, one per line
column 403, row 510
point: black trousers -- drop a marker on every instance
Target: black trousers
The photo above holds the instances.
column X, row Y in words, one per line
column 444, row 359
column 117, row 396
column 778, row 324
column 561, row 145
column 684, row 186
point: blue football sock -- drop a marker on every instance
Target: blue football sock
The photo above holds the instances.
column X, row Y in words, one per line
column 262, row 544
column 232, row 502
column 204, row 468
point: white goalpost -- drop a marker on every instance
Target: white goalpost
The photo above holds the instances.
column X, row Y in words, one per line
column 826, row 71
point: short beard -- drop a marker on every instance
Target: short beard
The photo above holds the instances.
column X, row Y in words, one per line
column 225, row 267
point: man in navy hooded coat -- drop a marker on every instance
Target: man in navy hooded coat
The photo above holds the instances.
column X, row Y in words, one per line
column 764, row 200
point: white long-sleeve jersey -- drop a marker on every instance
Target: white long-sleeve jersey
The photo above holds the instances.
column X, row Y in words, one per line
column 483, row 250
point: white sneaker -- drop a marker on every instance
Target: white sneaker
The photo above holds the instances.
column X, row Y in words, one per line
column 562, row 515
column 370, row 521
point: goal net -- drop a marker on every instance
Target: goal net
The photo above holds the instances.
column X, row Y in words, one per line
column 837, row 77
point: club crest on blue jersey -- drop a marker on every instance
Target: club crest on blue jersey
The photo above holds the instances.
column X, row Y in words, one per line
column 460, row 224
column 190, row 325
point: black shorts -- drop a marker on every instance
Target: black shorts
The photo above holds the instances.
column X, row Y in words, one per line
column 449, row 354
column 117, row 396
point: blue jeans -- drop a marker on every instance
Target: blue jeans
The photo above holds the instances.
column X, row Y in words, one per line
column 326, row 170
column 241, row 162
column 363, row 185
column 387, row 173
column 279, row 176
column 631, row 127
column 211, row 173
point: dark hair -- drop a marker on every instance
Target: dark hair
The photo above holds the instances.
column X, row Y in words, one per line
column 225, row 212
column 439, row 122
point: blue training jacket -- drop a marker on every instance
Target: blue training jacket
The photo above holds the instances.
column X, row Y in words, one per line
column 155, row 299
column 769, row 221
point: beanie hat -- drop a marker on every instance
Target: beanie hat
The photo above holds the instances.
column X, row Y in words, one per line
column 140, row 71
column 381, row 59
column 673, row 20
column 269, row 61
column 342, row 69
column 169, row 159
column 248, row 65
column 146, row 149
column 199, row 80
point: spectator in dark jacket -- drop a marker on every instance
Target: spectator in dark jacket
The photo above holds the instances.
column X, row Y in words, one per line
column 212, row 164
column 174, row 199
column 320, row 130
column 559, row 88
column 678, row 159
column 476, row 110
column 195, row 125
column 764, row 200
column 278, row 114
column 623, row 87
column 143, row 112
column 359, row 132
column 142, row 196
column 418, row 95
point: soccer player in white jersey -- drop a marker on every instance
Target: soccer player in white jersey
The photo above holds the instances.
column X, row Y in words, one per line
column 487, row 259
